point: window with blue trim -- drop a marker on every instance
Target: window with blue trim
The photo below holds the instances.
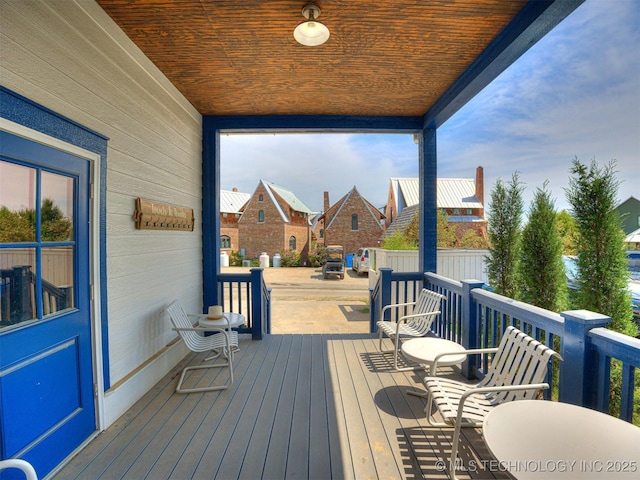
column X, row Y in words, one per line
column 37, row 242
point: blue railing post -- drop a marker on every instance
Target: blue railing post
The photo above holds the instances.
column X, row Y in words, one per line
column 469, row 327
column 577, row 370
column 385, row 290
column 383, row 298
column 258, row 326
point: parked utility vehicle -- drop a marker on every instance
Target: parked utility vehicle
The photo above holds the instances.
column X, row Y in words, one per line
column 334, row 263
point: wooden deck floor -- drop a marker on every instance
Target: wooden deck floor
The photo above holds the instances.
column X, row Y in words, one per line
column 302, row 406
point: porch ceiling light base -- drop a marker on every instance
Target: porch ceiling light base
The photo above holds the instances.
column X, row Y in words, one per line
column 311, row 33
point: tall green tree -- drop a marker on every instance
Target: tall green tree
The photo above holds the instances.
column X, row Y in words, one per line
column 541, row 268
column 567, row 229
column 504, row 228
column 601, row 263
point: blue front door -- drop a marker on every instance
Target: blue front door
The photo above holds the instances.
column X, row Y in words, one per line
column 47, row 404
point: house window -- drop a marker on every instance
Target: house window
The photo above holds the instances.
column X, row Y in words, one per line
column 456, row 211
column 354, row 222
column 261, row 216
column 321, row 233
column 44, row 226
column 260, row 198
column 225, row 241
column 469, row 211
column 292, row 242
column 225, row 215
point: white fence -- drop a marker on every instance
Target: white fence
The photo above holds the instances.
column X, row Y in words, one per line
column 457, row 264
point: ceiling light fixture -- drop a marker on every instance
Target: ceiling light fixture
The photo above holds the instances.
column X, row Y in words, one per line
column 311, row 33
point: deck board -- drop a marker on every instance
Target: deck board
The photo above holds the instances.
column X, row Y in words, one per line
column 302, row 406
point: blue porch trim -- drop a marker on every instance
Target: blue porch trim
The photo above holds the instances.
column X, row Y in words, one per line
column 21, row 110
column 312, row 124
column 212, row 126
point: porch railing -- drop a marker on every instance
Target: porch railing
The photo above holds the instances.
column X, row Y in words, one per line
column 476, row 318
column 247, row 294
column 18, row 295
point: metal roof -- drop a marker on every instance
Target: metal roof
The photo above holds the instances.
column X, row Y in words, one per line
column 452, row 192
column 231, row 202
column 288, row 196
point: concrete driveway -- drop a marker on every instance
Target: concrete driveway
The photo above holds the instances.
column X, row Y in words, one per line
column 303, row 302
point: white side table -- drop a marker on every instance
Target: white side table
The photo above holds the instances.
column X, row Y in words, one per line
column 426, row 350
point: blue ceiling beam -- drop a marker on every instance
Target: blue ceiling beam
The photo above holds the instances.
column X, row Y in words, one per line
column 312, row 124
column 535, row 20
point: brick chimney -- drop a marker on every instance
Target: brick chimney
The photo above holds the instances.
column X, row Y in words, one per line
column 480, row 186
column 327, row 205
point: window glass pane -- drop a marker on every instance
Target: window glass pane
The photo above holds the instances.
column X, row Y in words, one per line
column 57, row 279
column 17, row 280
column 57, row 207
column 17, row 203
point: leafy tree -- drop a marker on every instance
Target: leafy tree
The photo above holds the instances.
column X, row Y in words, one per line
column 398, row 241
column 16, row 226
column 19, row 226
column 55, row 226
column 568, row 232
column 445, row 232
column 541, row 268
column 407, row 239
column 471, row 239
column 601, row 263
column 504, row 225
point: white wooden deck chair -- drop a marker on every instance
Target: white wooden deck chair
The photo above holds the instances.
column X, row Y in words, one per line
column 19, row 464
column 518, row 368
column 415, row 324
column 223, row 341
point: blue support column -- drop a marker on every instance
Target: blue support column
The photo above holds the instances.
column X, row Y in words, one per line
column 258, row 326
column 210, row 215
column 469, row 326
column 578, row 367
column 428, row 209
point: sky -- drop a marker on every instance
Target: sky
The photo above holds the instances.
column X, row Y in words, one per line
column 574, row 94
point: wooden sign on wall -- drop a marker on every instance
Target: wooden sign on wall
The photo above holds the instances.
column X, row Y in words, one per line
column 150, row 215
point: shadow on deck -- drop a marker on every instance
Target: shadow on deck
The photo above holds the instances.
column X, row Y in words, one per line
column 303, row 405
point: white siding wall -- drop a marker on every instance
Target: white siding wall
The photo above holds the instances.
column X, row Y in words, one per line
column 70, row 57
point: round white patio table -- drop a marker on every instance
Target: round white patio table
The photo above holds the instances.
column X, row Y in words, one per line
column 424, row 351
column 540, row 439
column 228, row 320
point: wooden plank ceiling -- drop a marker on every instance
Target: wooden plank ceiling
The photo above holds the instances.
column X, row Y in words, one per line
column 383, row 58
